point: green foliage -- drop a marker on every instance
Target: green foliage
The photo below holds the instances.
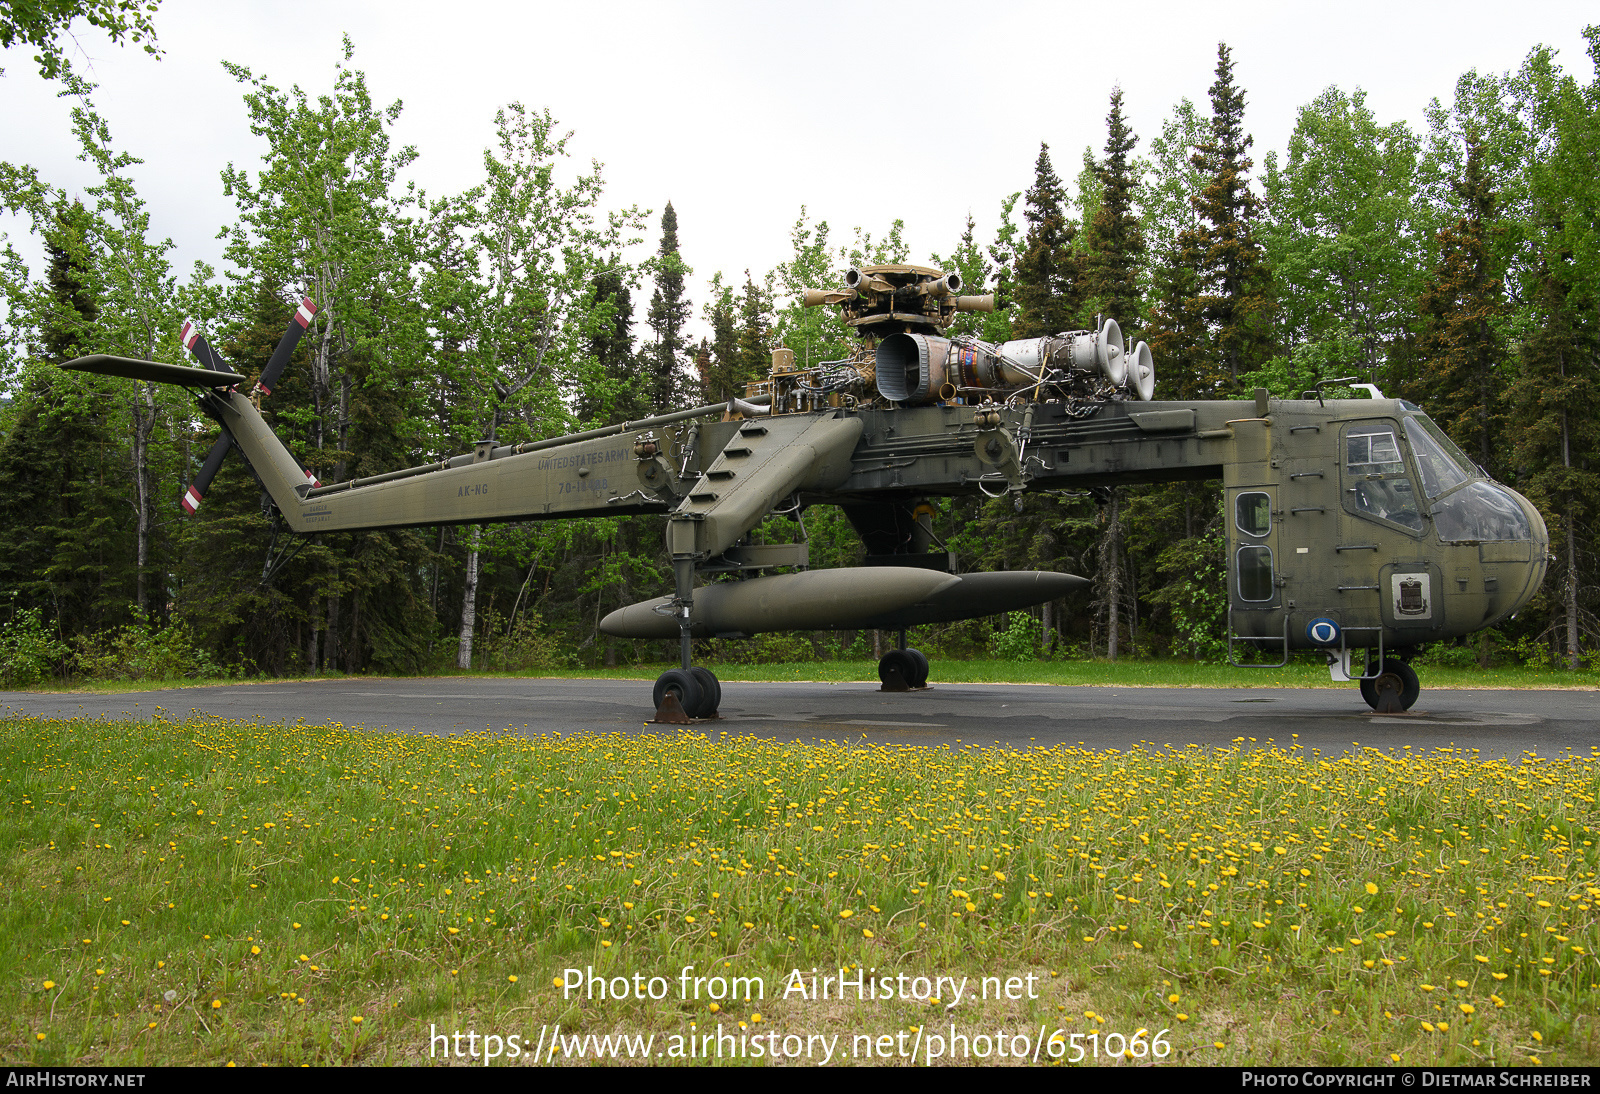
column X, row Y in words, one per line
column 1345, row 237
column 1196, row 595
column 143, row 651
column 42, row 23
column 1045, row 283
column 1019, row 641
column 1114, row 243
column 669, row 312
column 814, row 334
column 523, row 646
column 28, row 651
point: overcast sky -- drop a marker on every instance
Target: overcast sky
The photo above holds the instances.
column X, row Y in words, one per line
column 742, row 113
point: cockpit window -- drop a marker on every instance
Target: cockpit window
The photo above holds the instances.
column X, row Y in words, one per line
column 1372, row 452
column 1481, row 512
column 1442, row 464
column 1376, row 483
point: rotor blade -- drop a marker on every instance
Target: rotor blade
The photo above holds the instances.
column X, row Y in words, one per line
column 298, row 323
column 196, row 343
column 104, row 364
column 208, row 471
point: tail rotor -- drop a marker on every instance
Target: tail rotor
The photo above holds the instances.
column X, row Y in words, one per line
column 196, row 344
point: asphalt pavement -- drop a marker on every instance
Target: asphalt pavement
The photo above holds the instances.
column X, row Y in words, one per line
column 1496, row 723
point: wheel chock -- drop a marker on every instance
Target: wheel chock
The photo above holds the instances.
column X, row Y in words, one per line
column 893, row 680
column 1388, row 690
column 671, row 712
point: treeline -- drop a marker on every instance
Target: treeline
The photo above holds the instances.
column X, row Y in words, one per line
column 1458, row 267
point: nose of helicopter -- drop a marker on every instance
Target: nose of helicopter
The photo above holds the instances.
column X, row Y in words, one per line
column 1532, row 570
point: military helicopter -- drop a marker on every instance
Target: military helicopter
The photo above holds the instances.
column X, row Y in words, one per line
column 1352, row 524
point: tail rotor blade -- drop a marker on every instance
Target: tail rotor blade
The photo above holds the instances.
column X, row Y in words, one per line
column 196, row 343
column 298, row 323
column 208, row 471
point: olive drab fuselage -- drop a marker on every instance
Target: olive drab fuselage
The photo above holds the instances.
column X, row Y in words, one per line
column 1352, row 524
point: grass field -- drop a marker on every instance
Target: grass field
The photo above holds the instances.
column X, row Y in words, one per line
column 209, row 892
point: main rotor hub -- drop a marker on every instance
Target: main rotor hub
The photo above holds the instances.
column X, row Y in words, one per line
column 883, row 300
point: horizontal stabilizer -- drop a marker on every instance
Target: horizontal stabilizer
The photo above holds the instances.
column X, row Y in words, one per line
column 106, row 365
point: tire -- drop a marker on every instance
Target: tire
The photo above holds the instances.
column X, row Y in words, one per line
column 920, row 667
column 710, row 692
column 684, row 686
column 901, row 662
column 1392, row 673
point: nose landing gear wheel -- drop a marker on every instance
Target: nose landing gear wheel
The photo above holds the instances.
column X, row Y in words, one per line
column 1394, row 689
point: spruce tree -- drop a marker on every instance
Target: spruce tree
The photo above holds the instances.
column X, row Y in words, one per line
column 755, row 333
column 1235, row 292
column 1115, row 242
column 1458, row 347
column 73, row 309
column 1115, row 253
column 1045, row 284
column 64, row 545
column 1557, row 439
column 669, row 312
column 719, row 363
column 612, row 390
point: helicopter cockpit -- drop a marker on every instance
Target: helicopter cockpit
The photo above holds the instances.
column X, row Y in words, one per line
column 1465, row 506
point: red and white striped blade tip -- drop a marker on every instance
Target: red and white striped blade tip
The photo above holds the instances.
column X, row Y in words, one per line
column 305, row 311
column 189, row 335
column 191, row 500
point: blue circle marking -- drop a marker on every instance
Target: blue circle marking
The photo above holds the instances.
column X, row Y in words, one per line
column 1323, row 631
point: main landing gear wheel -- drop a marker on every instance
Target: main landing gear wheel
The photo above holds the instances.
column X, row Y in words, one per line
column 696, row 693
column 710, row 692
column 677, row 696
column 920, row 661
column 1394, row 689
column 902, row 670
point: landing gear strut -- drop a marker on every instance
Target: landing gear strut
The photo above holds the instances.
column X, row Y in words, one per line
column 690, row 692
column 1394, row 689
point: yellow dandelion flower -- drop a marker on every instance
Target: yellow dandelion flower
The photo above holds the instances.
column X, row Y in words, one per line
column 1372, row 890
column 846, row 914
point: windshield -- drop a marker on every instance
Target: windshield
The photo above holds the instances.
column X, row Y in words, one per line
column 1442, row 464
column 1482, row 511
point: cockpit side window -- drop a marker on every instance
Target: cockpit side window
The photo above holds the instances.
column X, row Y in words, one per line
column 1440, row 472
column 1376, row 484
